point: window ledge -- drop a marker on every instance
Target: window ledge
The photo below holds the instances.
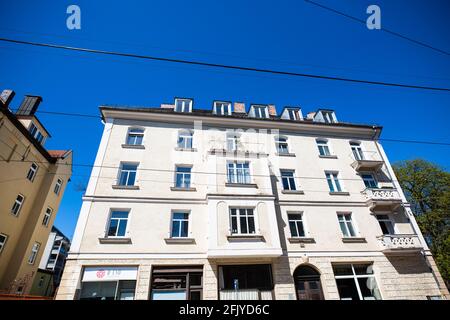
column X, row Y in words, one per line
column 115, row 240
column 331, row 156
column 354, row 240
column 250, row 237
column 241, row 185
column 116, row 186
column 339, row 193
column 182, row 189
column 292, row 192
column 133, row 146
column 286, row 154
column 179, row 240
column 301, row 240
column 186, row 149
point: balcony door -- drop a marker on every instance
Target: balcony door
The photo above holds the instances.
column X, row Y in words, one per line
column 307, row 284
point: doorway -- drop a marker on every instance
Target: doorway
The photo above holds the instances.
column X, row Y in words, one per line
column 307, row 283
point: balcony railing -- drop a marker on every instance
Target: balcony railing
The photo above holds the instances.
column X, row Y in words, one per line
column 366, row 161
column 400, row 243
column 246, row 294
column 382, row 197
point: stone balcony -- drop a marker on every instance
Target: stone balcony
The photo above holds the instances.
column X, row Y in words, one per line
column 367, row 161
column 400, row 243
column 382, row 199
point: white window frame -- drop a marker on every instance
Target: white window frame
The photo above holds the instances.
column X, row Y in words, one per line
column 374, row 179
column 110, row 218
column 34, row 253
column 295, row 112
column 19, row 204
column 347, row 215
column 233, row 139
column 58, row 186
column 235, row 171
column 3, row 242
column 281, row 141
column 187, row 135
column 183, row 106
column 302, row 221
column 238, row 221
column 260, row 107
column 36, row 133
column 119, row 179
column 188, row 220
column 290, row 179
column 387, row 219
column 33, row 172
column 355, row 277
column 132, row 131
column 328, row 116
column 322, row 144
column 183, row 175
column 357, row 150
column 224, row 106
column 334, row 177
column 47, row 216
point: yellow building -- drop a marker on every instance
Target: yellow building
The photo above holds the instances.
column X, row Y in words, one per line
column 32, row 184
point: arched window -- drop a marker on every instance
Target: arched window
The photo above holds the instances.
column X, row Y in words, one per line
column 281, row 144
column 307, row 283
column 135, row 136
column 184, row 139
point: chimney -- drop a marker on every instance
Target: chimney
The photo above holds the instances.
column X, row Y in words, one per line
column 6, row 96
column 272, row 110
column 310, row 115
column 167, row 106
column 29, row 105
column 239, row 107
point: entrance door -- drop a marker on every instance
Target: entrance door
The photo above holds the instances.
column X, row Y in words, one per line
column 307, row 284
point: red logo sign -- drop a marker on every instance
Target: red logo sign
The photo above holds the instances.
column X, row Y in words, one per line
column 101, row 273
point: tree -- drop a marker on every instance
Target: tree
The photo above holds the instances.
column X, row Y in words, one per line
column 427, row 188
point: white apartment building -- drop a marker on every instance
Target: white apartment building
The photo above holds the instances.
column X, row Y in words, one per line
column 187, row 203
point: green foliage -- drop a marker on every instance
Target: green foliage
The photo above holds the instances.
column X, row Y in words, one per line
column 427, row 187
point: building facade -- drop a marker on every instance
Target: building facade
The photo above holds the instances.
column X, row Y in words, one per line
column 231, row 203
column 33, row 180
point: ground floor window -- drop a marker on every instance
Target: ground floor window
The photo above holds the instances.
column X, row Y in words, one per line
column 246, row 282
column 177, row 283
column 356, row 282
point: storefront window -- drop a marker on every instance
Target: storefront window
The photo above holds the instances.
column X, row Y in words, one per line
column 177, row 283
column 356, row 282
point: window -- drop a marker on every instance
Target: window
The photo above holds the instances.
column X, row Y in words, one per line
column 333, row 181
column 357, row 151
column 369, row 180
column 58, row 186
column 242, row 221
column 328, row 116
column 183, row 177
column 324, row 150
column 183, row 105
column 245, row 282
column 260, row 111
column 135, row 136
column 185, row 139
column 34, row 131
column 222, row 108
column 118, row 223
column 32, row 172
column 232, row 141
column 293, row 114
column 296, row 225
column 176, row 283
column 108, row 290
column 3, row 238
column 180, row 225
column 281, row 145
column 17, row 205
column 127, row 174
column 356, row 282
column 346, row 224
column 386, row 224
column 34, row 253
column 47, row 216
column 238, row 172
column 288, row 180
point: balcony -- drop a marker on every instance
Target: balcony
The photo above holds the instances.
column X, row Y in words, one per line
column 366, row 161
column 382, row 198
column 400, row 243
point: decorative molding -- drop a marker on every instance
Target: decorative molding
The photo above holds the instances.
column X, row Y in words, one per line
column 115, row 240
column 133, row 146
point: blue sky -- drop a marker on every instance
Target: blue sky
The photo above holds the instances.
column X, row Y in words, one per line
column 287, row 35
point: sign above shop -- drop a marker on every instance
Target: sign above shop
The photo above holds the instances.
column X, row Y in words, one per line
column 109, row 273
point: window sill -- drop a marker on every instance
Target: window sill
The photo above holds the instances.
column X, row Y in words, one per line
column 179, row 240
column 133, row 146
column 248, row 237
column 182, row 189
column 292, row 192
column 354, row 240
column 115, row 240
column 301, row 240
column 116, row 186
column 287, row 154
column 186, row 149
column 241, row 185
column 328, row 156
column 339, row 193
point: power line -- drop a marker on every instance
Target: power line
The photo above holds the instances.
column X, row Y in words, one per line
column 223, row 66
column 382, row 29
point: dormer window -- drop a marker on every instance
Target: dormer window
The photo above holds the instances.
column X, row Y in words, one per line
column 260, row 112
column 328, row 116
column 293, row 114
column 222, row 108
column 34, row 131
column 183, row 105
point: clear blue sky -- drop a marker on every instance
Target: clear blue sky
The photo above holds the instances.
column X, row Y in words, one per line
column 287, row 35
